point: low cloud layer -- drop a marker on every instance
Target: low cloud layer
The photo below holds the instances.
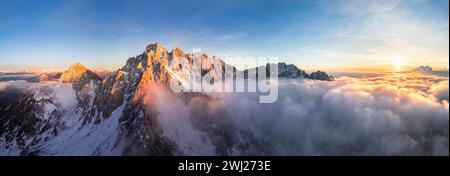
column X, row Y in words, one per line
column 17, row 77
column 364, row 115
column 62, row 94
column 377, row 115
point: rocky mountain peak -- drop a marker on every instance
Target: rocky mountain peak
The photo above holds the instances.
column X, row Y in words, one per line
column 155, row 49
column 153, row 46
column 77, row 65
column 156, row 68
column 320, row 75
column 74, row 73
column 43, row 78
column 177, row 52
column 156, row 54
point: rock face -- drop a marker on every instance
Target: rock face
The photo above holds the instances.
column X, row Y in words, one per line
column 155, row 67
column 76, row 72
column 292, row 72
column 54, row 76
column 288, row 71
column 177, row 52
column 85, row 83
column 320, row 75
column 43, row 78
column 103, row 73
column 28, row 120
column 115, row 115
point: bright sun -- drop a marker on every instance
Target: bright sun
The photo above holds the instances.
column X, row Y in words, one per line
column 398, row 63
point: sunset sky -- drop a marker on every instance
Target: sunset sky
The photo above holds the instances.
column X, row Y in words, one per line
column 332, row 35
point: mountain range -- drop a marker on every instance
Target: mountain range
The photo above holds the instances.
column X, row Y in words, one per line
column 78, row 112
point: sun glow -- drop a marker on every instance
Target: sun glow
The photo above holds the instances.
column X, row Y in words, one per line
column 398, row 63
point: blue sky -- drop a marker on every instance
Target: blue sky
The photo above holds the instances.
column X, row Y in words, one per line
column 327, row 35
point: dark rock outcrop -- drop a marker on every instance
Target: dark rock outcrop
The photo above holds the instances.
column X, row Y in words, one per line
column 320, row 75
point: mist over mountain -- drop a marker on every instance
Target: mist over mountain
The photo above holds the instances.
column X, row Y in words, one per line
column 132, row 111
column 15, row 77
